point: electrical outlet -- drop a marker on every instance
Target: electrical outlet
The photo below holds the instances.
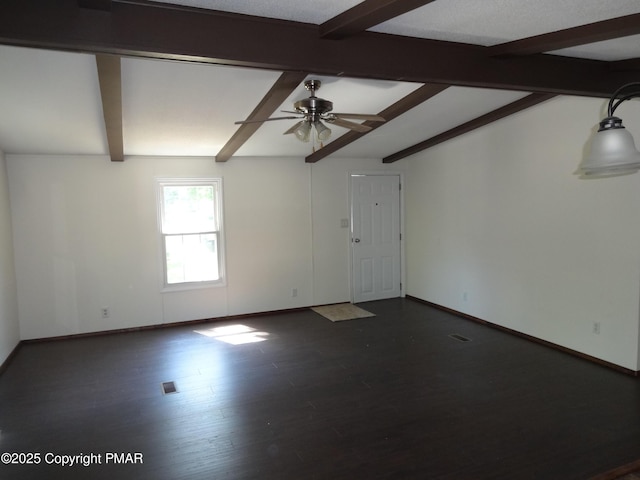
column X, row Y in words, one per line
column 596, row 328
column 105, row 312
column 294, row 292
column 465, row 296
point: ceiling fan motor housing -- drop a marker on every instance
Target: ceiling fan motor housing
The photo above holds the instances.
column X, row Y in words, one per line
column 314, row 107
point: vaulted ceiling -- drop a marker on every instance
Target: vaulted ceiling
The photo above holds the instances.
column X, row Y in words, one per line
column 133, row 77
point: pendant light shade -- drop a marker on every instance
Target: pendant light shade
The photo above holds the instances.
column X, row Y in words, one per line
column 613, row 151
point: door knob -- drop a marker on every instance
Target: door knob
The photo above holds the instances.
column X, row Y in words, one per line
column 357, row 240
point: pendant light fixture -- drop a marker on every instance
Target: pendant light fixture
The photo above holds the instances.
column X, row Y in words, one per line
column 613, row 151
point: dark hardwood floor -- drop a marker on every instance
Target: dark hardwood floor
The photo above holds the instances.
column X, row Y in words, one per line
column 387, row 397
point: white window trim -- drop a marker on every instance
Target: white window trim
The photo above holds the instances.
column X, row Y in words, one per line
column 180, row 181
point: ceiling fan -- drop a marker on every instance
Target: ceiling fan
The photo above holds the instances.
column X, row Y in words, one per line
column 313, row 111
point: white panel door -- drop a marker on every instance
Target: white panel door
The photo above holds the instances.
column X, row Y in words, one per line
column 375, row 237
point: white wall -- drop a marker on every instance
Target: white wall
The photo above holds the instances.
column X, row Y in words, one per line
column 9, row 326
column 85, row 234
column 500, row 228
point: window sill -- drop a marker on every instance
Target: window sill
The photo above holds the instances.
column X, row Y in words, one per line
column 182, row 287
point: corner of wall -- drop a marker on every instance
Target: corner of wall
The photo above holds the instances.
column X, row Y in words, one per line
column 9, row 321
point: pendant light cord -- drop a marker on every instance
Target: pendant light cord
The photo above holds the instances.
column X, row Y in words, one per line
column 613, row 104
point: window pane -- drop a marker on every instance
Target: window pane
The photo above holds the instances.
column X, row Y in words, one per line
column 192, row 258
column 188, row 209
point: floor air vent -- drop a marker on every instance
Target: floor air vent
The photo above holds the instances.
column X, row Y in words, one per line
column 459, row 337
column 169, row 387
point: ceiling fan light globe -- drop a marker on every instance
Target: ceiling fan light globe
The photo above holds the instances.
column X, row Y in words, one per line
column 303, row 132
column 323, row 131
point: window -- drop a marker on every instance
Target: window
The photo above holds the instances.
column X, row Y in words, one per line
column 190, row 213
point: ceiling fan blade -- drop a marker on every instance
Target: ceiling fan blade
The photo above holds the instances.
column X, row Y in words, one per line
column 240, row 122
column 293, row 129
column 360, row 116
column 347, row 124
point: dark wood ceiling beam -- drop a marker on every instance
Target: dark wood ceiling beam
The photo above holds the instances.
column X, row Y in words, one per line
column 571, row 37
column 403, row 105
column 510, row 109
column 279, row 92
column 365, row 15
column 163, row 31
column 109, row 75
column 630, row 64
column 104, row 5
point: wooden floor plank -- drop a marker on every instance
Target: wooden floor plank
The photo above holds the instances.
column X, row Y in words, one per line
column 391, row 396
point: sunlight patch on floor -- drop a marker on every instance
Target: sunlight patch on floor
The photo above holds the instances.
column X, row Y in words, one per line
column 237, row 334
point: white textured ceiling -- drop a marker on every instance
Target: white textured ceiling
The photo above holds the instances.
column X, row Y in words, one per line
column 173, row 108
column 456, row 105
column 489, row 22
column 317, row 11
column 50, row 101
